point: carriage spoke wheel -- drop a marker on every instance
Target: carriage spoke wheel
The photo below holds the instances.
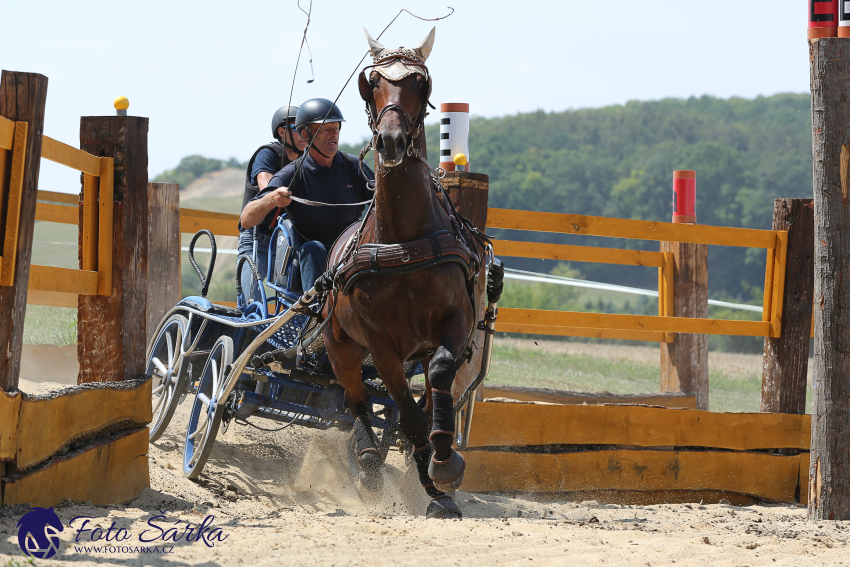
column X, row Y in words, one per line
column 208, row 408
column 166, row 365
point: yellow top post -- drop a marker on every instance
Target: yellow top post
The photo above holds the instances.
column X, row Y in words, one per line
column 460, row 159
column 121, row 105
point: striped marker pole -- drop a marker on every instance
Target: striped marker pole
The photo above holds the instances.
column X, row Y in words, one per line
column 454, row 133
column 823, row 18
column 685, row 196
column 843, row 18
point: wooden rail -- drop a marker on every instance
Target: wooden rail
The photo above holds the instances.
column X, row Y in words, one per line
column 13, row 139
column 636, row 327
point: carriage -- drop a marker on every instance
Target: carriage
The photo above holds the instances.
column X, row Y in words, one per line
column 266, row 359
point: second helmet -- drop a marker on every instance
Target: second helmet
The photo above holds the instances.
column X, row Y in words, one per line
column 281, row 116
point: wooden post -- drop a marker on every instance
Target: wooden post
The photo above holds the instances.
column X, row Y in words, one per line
column 111, row 329
column 783, row 388
column 469, row 192
column 829, row 472
column 22, row 99
column 684, row 362
column 163, row 252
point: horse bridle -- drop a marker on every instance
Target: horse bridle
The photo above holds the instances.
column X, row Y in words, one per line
column 412, row 128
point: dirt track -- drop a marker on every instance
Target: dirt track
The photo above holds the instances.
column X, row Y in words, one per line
column 286, row 498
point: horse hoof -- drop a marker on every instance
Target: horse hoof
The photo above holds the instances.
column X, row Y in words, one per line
column 447, row 475
column 443, row 508
column 368, row 488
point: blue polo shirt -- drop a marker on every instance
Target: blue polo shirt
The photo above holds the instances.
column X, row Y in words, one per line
column 342, row 182
column 266, row 161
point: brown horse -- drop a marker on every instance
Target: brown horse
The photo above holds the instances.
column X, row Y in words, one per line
column 420, row 312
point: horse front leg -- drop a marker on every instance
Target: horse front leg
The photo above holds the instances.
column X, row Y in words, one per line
column 447, row 466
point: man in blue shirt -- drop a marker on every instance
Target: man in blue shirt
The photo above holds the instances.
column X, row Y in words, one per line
column 267, row 160
column 324, row 175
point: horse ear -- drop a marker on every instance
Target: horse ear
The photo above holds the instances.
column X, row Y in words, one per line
column 423, row 50
column 364, row 86
column 375, row 47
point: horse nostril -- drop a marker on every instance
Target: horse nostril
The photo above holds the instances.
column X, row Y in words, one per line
column 379, row 144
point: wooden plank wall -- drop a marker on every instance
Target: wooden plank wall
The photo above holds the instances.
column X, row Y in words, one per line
column 85, row 443
column 666, row 455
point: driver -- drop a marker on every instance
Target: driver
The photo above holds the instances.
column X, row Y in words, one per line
column 323, row 174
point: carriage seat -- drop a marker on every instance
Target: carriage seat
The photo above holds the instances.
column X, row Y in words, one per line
column 205, row 305
column 287, row 255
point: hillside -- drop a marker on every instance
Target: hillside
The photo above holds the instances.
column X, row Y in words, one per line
column 618, row 161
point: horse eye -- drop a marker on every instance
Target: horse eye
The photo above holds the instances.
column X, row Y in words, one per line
column 374, row 82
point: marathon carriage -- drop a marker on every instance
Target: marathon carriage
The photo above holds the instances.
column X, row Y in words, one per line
column 266, row 359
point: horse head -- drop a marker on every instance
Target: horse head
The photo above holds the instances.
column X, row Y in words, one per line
column 396, row 88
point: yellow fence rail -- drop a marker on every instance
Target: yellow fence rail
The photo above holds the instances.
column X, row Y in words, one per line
column 13, row 149
column 636, row 327
column 51, row 285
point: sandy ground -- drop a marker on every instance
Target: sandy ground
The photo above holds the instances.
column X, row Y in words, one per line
column 286, row 498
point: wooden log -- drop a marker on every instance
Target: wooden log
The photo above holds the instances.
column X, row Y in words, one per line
column 552, row 396
column 520, row 425
column 684, row 362
column 10, row 408
column 764, row 476
column 469, row 192
column 22, row 99
column 112, row 329
column 786, row 358
column 106, row 473
column 829, row 473
column 163, row 252
column 51, row 422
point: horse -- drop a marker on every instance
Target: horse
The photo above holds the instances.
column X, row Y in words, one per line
column 408, row 271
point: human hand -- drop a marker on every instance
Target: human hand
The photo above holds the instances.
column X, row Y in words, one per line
column 280, row 197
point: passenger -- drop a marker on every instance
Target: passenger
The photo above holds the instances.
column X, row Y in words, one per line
column 266, row 161
column 324, row 175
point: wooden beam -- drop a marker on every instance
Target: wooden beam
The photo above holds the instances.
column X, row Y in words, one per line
column 552, row 396
column 220, row 224
column 632, row 322
column 64, row 280
column 54, row 197
column 571, row 253
column 63, row 214
column 768, row 477
column 163, row 252
column 111, row 325
column 7, row 133
column 22, row 99
column 516, row 425
column 88, row 232
column 786, row 359
column 70, row 156
column 625, row 228
column 108, row 473
column 626, row 335
column 14, row 200
column 49, row 423
column 10, row 407
column 829, row 473
column 684, row 360
column 52, row 298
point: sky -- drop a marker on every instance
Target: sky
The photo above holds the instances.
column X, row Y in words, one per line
column 209, row 75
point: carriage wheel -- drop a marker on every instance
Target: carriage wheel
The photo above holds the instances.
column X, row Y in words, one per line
column 207, row 409
column 166, row 365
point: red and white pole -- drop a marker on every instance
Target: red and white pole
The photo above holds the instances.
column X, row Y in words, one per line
column 843, row 18
column 685, row 196
column 823, row 18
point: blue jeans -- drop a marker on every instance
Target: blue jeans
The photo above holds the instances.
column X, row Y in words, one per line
column 312, row 258
column 246, row 246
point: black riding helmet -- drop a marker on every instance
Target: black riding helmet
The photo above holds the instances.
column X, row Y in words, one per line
column 314, row 111
column 281, row 116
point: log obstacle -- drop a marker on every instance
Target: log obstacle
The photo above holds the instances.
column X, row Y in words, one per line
column 86, row 443
column 637, row 454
